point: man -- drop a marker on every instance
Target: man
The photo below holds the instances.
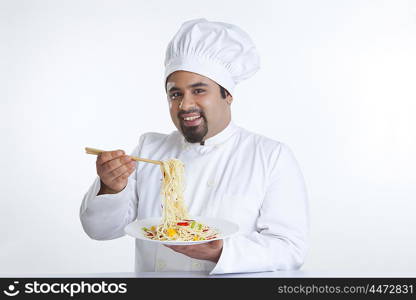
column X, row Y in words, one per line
column 230, row 172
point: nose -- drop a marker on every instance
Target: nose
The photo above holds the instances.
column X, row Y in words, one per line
column 187, row 103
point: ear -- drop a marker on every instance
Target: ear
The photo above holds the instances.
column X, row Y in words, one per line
column 229, row 99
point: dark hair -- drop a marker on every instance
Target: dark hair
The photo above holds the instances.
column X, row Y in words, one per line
column 224, row 92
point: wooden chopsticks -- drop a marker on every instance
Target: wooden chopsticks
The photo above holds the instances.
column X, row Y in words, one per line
column 98, row 151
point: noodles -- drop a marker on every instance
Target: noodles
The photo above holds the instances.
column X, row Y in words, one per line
column 172, row 191
column 176, row 224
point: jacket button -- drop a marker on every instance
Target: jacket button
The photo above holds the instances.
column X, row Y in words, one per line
column 160, row 265
column 210, row 183
column 196, row 266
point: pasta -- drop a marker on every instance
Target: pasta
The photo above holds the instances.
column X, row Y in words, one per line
column 176, row 224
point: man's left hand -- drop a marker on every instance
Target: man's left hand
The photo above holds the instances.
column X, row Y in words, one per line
column 207, row 251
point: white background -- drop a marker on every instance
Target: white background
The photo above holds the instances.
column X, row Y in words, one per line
column 337, row 84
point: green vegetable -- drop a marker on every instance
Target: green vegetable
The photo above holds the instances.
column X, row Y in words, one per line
column 193, row 224
column 199, row 226
column 144, row 229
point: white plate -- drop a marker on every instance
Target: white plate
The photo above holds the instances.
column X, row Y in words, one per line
column 224, row 227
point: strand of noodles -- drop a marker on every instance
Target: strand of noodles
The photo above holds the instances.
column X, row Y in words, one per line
column 172, row 193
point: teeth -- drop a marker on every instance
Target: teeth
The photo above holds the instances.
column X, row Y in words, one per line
column 191, row 118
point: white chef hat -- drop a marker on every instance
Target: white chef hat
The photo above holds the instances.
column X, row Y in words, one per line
column 222, row 52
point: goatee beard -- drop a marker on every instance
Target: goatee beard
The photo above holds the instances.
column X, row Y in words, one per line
column 195, row 134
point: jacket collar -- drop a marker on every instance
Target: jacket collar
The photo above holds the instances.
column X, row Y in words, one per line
column 215, row 140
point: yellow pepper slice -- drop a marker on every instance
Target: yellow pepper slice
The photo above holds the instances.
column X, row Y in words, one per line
column 171, row 232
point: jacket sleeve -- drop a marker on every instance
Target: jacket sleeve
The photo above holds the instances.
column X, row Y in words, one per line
column 280, row 240
column 104, row 217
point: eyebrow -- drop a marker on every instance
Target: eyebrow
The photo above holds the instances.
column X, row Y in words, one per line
column 194, row 85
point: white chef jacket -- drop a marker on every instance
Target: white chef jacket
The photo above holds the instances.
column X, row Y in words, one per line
column 237, row 175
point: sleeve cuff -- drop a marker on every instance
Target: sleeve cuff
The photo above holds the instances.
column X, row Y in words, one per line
column 243, row 254
column 107, row 201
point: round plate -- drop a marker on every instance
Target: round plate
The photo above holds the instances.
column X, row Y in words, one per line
column 224, row 227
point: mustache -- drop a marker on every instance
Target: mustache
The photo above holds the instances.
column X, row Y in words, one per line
column 183, row 112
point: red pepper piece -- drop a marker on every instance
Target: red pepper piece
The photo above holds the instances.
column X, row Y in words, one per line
column 183, row 224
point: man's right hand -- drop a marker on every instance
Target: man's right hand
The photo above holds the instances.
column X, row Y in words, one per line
column 114, row 169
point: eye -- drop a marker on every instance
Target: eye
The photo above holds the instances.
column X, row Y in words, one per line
column 173, row 96
column 198, row 91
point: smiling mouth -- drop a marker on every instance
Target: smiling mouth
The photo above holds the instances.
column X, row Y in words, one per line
column 191, row 120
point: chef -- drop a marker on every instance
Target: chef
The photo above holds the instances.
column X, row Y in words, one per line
column 230, row 172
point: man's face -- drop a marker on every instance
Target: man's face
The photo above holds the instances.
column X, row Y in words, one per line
column 196, row 106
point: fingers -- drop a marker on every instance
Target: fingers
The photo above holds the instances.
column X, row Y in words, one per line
column 108, row 155
column 176, row 248
column 208, row 251
column 181, row 249
column 118, row 167
column 198, row 248
column 114, row 168
column 108, row 164
column 122, row 173
column 118, row 177
column 216, row 244
column 188, row 248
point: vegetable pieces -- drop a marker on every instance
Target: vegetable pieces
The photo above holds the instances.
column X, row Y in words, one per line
column 183, row 230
